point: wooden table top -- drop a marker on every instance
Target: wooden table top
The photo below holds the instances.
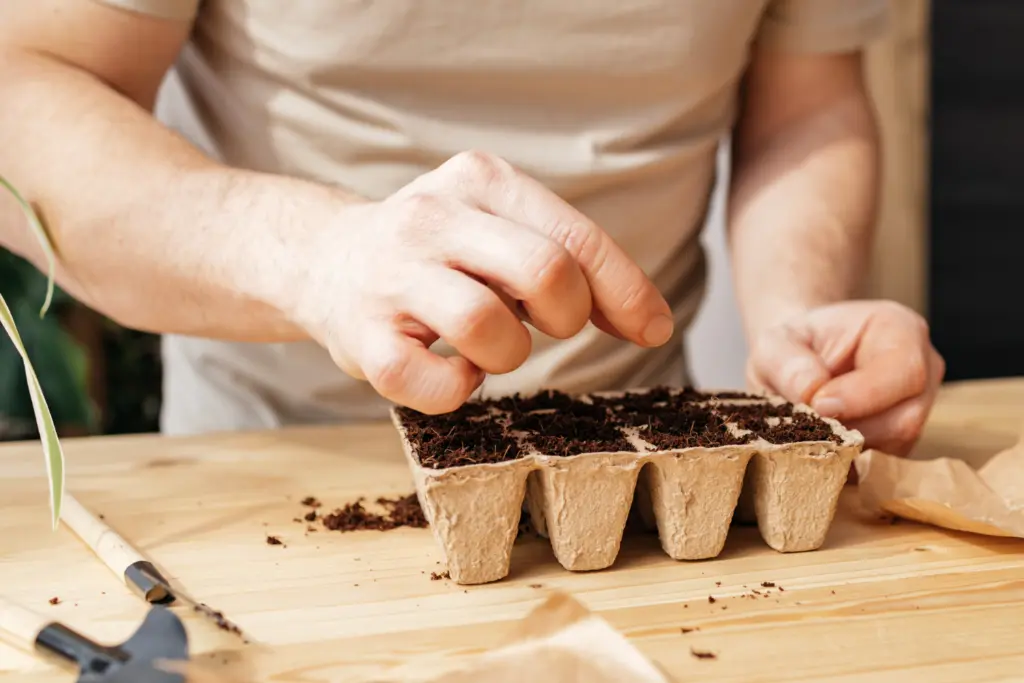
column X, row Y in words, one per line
column 880, row 602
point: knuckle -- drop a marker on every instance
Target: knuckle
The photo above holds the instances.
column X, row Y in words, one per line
column 389, row 373
column 479, row 315
column 586, row 245
column 548, row 266
column 635, row 297
column 479, row 165
column 420, row 209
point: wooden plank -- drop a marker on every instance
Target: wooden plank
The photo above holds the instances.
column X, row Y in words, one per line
column 897, row 70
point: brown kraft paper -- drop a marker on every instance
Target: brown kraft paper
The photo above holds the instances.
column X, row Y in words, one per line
column 560, row 641
column 947, row 492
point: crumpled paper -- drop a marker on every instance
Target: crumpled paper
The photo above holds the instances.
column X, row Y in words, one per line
column 560, row 641
column 947, row 492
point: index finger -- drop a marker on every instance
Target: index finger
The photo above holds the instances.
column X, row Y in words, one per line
column 622, row 293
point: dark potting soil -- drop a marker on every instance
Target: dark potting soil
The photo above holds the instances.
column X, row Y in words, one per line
column 803, row 427
column 454, row 439
column 399, row 512
column 755, row 412
column 556, row 423
column 564, row 434
column 222, row 622
column 684, row 425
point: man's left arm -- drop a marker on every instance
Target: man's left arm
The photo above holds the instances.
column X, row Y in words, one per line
column 801, row 219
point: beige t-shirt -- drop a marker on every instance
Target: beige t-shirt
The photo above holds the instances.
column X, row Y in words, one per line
column 617, row 105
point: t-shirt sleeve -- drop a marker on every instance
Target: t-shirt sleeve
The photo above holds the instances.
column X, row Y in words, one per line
column 182, row 10
column 823, row 25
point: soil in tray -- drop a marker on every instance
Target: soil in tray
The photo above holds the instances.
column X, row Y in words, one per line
column 795, row 426
column 679, row 425
column 458, row 438
column 556, row 423
column 561, row 433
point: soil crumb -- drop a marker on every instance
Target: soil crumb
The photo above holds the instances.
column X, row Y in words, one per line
column 404, row 511
column 223, row 623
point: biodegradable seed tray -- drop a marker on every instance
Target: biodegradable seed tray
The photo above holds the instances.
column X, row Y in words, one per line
column 692, row 460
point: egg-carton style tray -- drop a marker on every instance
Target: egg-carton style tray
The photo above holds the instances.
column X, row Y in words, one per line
column 691, row 460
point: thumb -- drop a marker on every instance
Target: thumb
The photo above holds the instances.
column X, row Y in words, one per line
column 784, row 363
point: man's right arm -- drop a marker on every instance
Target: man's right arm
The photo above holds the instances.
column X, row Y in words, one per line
column 159, row 237
column 149, row 231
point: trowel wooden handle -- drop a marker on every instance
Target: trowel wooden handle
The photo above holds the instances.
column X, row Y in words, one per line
column 19, row 626
column 114, row 551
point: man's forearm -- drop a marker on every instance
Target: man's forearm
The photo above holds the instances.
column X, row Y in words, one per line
column 802, row 212
column 148, row 230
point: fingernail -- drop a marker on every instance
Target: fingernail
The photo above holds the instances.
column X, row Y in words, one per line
column 659, row 330
column 828, row 406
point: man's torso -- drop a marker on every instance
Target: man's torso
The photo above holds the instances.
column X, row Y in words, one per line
column 617, row 106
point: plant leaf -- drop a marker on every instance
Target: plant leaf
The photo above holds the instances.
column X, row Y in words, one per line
column 52, row 451
column 41, row 236
column 47, row 431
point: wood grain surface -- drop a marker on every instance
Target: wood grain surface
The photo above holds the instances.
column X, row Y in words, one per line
column 880, row 602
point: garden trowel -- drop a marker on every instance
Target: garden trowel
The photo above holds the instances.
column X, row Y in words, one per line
column 161, row 637
column 128, row 564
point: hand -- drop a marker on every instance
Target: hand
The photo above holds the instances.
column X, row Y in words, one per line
column 464, row 253
column 869, row 364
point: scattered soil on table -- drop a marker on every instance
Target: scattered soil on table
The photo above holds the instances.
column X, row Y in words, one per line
column 274, row 540
column 703, row 654
column 218, row 618
column 311, row 502
column 404, row 511
column 434, row 576
column 55, row 601
column 711, row 599
column 688, row 629
column 767, row 584
column 310, row 516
